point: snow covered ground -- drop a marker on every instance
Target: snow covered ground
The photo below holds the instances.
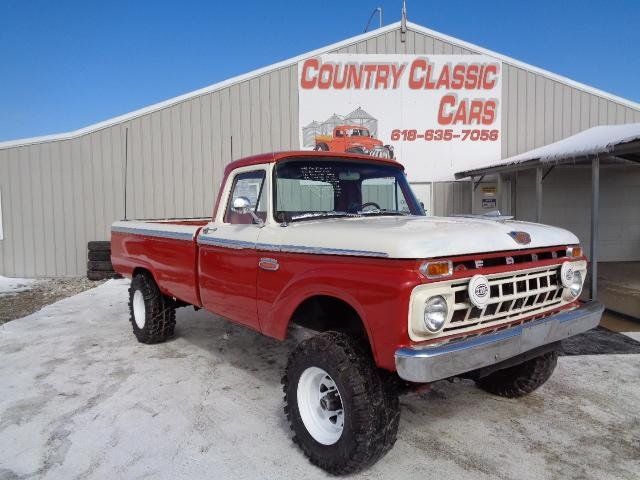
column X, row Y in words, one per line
column 80, row 398
column 10, row 286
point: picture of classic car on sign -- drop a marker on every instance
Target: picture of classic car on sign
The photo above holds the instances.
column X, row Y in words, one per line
column 353, row 133
column 353, row 139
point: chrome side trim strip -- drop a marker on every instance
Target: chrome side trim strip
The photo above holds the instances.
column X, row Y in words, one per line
column 319, row 250
column 154, row 233
column 268, row 247
column 331, row 251
column 224, row 242
column 431, row 363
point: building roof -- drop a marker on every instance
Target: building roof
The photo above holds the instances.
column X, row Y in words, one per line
column 294, row 60
column 617, row 142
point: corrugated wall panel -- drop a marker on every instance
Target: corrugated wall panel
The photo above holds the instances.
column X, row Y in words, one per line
column 207, row 182
column 70, row 221
column 285, row 107
column 57, row 213
column 48, row 223
column 275, row 104
column 185, row 160
column 34, row 191
column 12, row 230
column 294, row 141
column 25, row 210
column 4, row 207
column 153, row 148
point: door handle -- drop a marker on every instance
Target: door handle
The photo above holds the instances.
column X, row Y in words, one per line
column 207, row 230
column 269, row 264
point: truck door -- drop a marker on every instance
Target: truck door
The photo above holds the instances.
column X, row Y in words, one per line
column 227, row 265
column 338, row 142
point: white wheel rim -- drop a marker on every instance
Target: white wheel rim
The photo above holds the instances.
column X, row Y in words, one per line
column 139, row 310
column 320, row 406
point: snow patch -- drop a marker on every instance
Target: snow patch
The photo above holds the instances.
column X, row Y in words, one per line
column 10, row 286
column 633, row 335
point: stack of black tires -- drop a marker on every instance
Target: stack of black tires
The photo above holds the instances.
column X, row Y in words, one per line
column 99, row 262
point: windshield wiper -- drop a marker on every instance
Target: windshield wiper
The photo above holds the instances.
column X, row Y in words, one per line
column 383, row 212
column 317, row 215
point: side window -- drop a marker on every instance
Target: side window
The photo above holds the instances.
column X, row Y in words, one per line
column 249, row 185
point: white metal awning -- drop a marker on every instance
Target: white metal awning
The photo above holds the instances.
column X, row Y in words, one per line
column 612, row 143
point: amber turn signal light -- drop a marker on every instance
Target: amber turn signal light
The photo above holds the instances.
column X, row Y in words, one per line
column 574, row 252
column 439, row 269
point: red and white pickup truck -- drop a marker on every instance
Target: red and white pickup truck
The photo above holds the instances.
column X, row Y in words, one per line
column 338, row 243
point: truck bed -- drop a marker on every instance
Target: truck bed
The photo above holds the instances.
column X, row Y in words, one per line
column 167, row 248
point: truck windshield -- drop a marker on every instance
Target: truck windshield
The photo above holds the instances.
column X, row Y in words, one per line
column 325, row 188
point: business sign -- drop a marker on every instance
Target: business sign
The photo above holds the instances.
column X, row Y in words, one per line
column 437, row 114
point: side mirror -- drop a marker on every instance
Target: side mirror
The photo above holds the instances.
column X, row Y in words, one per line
column 241, row 205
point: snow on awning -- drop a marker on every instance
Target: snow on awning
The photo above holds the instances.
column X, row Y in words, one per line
column 605, row 139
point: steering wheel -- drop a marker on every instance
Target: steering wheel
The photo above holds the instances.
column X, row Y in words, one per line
column 368, row 204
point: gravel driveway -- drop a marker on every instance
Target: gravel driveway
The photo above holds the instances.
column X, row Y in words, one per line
column 80, row 398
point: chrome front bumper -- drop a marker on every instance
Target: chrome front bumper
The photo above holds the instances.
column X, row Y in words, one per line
column 431, row 363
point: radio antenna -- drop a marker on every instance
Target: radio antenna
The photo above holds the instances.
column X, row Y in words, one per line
column 377, row 10
column 403, row 22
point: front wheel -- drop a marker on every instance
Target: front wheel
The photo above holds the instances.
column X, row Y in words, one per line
column 522, row 379
column 343, row 413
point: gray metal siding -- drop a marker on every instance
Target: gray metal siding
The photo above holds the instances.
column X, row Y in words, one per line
column 58, row 195
column 619, row 233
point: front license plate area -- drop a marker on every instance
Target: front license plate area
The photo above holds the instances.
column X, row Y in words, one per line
column 535, row 335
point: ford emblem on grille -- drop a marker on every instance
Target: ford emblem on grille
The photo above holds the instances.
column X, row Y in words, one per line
column 523, row 238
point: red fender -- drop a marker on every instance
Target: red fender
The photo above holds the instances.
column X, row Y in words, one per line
column 377, row 289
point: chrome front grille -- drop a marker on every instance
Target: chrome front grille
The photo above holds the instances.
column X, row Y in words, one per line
column 513, row 295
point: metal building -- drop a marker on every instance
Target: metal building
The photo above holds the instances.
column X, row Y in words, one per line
column 58, row 192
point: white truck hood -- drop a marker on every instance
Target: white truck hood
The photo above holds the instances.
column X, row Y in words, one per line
column 415, row 237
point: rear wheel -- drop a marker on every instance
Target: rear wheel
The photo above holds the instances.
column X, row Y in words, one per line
column 152, row 314
column 521, row 379
column 343, row 413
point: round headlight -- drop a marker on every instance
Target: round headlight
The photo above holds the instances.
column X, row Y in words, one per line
column 435, row 313
column 576, row 284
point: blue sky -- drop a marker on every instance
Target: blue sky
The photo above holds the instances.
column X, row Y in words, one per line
column 66, row 64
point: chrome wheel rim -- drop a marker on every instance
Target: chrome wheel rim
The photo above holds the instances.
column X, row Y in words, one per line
column 139, row 310
column 320, row 406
